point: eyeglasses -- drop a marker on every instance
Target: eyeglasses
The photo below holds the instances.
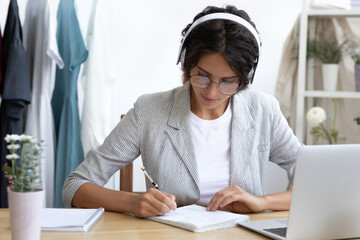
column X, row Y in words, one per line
column 227, row 88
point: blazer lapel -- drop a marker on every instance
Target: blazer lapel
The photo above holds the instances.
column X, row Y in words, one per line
column 242, row 140
column 179, row 130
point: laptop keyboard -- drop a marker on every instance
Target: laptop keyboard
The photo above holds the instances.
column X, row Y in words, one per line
column 277, row 231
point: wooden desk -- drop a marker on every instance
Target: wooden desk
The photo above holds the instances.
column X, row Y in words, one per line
column 121, row 226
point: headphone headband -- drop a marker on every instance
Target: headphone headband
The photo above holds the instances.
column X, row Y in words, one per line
column 213, row 16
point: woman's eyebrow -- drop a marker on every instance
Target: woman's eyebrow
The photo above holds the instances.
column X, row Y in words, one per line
column 203, row 70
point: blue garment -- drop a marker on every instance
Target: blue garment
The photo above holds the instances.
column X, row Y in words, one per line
column 69, row 152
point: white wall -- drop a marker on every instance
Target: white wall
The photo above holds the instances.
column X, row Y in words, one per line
column 149, row 37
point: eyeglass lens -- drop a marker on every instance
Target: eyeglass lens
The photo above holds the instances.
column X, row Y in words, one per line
column 227, row 88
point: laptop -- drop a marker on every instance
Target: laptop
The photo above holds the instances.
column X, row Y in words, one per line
column 325, row 201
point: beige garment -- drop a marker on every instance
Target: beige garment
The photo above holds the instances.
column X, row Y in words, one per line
column 286, row 86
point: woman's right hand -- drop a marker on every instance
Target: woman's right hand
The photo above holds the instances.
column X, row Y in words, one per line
column 153, row 203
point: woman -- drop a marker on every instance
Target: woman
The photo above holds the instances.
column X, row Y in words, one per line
column 207, row 142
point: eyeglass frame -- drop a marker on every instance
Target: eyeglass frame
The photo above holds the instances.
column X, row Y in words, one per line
column 239, row 86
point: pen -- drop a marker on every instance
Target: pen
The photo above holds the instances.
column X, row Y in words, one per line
column 151, row 179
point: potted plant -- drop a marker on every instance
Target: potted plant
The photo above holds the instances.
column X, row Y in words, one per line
column 356, row 57
column 357, row 120
column 25, row 193
column 329, row 52
column 316, row 117
column 353, row 49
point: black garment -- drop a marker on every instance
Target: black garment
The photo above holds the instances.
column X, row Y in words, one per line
column 16, row 92
column 1, row 66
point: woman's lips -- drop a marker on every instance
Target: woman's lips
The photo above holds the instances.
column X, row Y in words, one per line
column 209, row 100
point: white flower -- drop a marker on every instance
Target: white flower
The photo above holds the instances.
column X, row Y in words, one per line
column 13, row 147
column 11, row 138
column 316, row 115
column 12, row 156
column 29, row 179
column 25, row 138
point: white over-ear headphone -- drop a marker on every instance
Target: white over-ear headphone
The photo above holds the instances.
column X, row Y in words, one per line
column 225, row 16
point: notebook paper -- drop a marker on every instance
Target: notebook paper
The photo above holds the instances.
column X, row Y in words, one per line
column 195, row 218
column 69, row 219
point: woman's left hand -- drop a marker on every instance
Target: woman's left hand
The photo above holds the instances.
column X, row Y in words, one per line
column 235, row 199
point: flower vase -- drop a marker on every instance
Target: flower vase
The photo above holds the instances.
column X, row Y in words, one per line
column 330, row 75
column 25, row 214
column 357, row 77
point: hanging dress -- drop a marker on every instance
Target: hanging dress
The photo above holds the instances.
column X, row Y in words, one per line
column 69, row 153
column 42, row 51
column 99, row 77
column 1, row 66
column 16, row 93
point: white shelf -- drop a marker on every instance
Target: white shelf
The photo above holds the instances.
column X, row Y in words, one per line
column 326, row 13
column 338, row 94
column 305, row 98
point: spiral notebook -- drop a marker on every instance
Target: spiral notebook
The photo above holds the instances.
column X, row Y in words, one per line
column 196, row 219
column 69, row 219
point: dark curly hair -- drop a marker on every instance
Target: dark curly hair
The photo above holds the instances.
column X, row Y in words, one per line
column 228, row 38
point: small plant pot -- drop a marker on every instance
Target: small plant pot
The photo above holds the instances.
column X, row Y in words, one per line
column 357, row 77
column 330, row 76
column 25, row 214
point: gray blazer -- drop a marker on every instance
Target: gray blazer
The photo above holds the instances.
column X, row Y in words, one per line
column 158, row 128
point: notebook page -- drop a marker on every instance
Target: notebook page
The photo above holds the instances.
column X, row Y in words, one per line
column 63, row 219
column 197, row 219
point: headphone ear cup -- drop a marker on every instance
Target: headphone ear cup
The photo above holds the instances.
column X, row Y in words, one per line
column 251, row 74
column 182, row 57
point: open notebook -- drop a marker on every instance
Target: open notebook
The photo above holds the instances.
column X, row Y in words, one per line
column 195, row 218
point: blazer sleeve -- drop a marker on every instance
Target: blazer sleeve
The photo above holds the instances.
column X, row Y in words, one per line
column 120, row 147
column 284, row 144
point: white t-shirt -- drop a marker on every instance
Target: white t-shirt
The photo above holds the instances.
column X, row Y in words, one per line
column 212, row 148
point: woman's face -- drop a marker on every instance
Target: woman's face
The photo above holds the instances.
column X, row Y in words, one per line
column 209, row 103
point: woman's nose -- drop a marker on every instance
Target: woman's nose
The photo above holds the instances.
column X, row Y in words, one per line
column 212, row 89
